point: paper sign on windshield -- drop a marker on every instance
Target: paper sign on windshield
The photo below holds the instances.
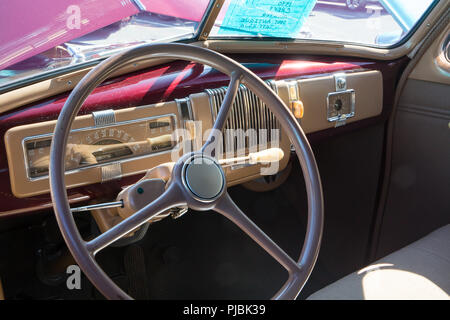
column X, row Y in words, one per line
column 266, row 18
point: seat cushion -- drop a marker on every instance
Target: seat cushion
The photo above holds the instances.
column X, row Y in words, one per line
column 418, row 271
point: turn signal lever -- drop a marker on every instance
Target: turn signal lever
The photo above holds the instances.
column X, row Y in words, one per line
column 265, row 156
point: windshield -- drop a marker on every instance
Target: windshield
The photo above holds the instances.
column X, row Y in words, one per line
column 39, row 37
column 369, row 22
column 47, row 35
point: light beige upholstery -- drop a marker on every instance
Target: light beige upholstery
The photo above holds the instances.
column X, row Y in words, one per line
column 418, row 271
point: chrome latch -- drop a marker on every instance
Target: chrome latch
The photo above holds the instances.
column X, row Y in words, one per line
column 341, row 103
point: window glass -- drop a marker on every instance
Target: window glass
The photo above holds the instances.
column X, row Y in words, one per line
column 368, row 22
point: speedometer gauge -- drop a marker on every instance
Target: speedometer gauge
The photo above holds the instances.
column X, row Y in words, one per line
column 93, row 146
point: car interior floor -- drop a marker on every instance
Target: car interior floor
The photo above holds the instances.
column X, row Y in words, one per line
column 202, row 254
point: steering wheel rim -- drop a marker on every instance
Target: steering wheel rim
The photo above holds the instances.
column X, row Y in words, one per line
column 176, row 192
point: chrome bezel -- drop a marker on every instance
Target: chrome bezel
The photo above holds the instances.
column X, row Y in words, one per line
column 72, row 171
column 341, row 116
column 186, row 183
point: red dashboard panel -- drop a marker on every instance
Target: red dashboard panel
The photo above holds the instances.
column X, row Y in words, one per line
column 164, row 83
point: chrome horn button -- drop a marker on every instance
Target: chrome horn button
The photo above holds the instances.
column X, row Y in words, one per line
column 203, row 177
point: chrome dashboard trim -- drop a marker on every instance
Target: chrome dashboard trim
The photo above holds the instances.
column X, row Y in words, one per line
column 47, row 135
column 184, row 107
column 104, row 117
column 247, row 112
column 341, row 118
column 112, row 171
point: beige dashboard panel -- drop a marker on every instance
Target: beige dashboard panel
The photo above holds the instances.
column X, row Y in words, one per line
column 23, row 186
column 313, row 92
column 368, row 87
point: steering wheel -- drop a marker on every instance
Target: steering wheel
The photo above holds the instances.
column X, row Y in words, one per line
column 197, row 180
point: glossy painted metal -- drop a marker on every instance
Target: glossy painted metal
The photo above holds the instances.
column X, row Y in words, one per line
column 48, row 23
column 177, row 193
column 189, row 10
column 170, row 81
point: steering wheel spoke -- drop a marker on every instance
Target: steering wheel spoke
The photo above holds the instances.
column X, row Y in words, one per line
column 231, row 211
column 169, row 199
column 225, row 107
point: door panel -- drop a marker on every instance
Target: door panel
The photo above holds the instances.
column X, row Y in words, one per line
column 418, row 197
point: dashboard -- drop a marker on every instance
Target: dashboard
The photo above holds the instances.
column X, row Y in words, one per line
column 117, row 137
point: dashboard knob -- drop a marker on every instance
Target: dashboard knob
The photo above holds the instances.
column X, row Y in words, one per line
column 297, row 109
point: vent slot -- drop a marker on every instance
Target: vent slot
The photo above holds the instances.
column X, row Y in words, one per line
column 247, row 112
